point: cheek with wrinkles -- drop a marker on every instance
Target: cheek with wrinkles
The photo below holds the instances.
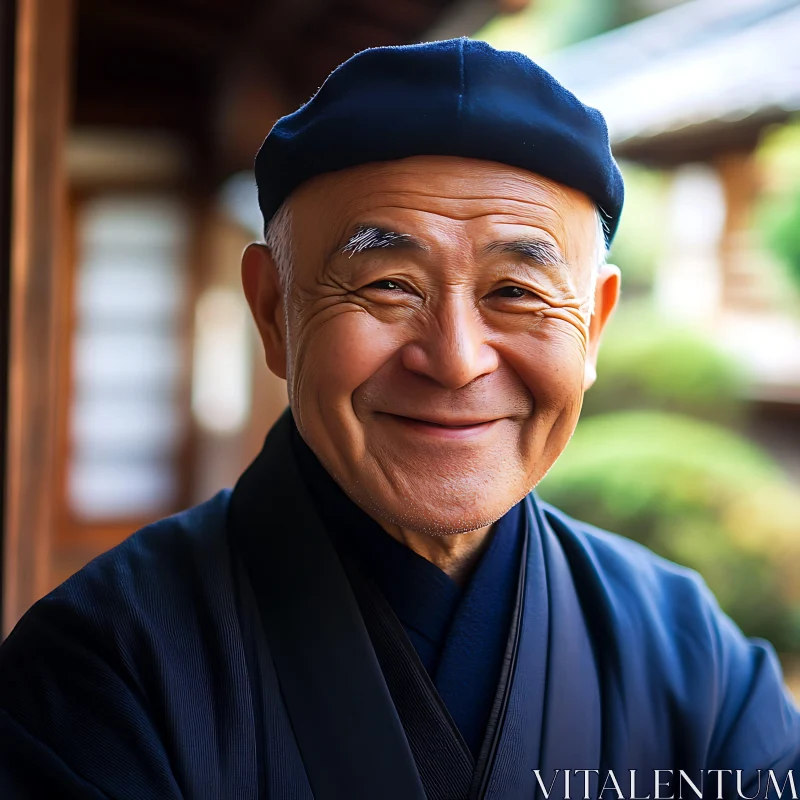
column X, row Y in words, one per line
column 339, row 348
column 550, row 362
column 567, row 308
column 570, row 324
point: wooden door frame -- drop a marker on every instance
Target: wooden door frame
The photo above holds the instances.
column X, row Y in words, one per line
column 7, row 54
column 42, row 78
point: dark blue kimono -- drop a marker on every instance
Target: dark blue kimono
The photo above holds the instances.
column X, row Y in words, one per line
column 239, row 650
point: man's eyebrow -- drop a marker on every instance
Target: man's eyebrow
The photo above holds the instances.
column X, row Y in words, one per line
column 371, row 237
column 536, row 250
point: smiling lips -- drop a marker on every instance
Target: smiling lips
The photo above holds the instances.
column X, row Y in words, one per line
column 441, row 428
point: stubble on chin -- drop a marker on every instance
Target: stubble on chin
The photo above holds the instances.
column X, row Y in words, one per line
column 433, row 500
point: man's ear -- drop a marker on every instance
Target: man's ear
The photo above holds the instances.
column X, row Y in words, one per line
column 264, row 293
column 606, row 296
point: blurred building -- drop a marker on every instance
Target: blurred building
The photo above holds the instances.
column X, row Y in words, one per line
column 692, row 90
column 132, row 381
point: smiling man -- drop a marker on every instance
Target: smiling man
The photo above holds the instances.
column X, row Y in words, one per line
column 433, row 324
column 382, row 609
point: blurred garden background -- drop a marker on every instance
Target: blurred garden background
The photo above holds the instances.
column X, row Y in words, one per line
column 690, row 440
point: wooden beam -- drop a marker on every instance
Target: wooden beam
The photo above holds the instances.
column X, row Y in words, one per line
column 406, row 18
column 200, row 35
column 744, row 285
column 42, row 70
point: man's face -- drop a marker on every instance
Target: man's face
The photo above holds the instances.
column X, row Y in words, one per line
column 437, row 340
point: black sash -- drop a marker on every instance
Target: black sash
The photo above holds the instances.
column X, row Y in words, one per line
column 350, row 738
column 442, row 756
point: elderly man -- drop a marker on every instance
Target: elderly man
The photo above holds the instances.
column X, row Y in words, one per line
column 381, row 608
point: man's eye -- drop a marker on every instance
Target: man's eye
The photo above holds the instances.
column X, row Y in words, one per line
column 513, row 292
column 389, row 286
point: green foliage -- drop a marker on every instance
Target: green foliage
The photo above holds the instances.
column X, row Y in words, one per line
column 780, row 222
column 547, row 25
column 645, row 362
column 778, row 209
column 778, row 157
column 699, row 495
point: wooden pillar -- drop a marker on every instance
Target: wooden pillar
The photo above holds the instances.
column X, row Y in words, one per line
column 7, row 32
column 743, row 282
column 42, row 81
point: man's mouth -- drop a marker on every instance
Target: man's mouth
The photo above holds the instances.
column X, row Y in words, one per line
column 444, row 427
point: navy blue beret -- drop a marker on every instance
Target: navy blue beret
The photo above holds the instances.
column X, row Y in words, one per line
column 453, row 98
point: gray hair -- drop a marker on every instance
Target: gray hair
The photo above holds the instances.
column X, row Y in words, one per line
column 601, row 253
column 278, row 237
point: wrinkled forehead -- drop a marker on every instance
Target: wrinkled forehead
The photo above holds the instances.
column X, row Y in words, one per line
column 441, row 198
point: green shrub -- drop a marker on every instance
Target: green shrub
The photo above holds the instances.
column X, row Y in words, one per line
column 777, row 216
column 779, row 220
column 699, row 495
column 645, row 362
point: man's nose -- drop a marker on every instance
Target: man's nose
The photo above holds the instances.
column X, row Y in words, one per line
column 452, row 349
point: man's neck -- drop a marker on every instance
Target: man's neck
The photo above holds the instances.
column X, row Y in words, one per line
column 456, row 554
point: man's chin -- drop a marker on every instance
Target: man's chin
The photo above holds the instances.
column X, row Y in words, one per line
column 440, row 518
